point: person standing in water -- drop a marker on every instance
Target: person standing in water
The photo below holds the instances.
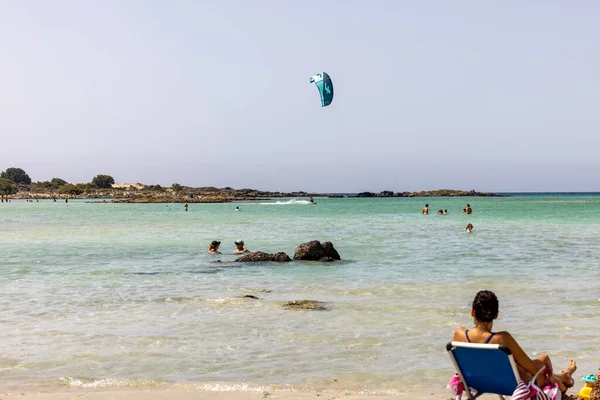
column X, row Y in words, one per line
column 237, row 209
column 239, row 247
column 468, row 209
column 214, row 247
column 311, row 199
column 425, row 210
column 469, row 228
column 185, row 206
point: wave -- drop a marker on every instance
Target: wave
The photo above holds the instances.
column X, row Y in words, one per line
column 281, row 203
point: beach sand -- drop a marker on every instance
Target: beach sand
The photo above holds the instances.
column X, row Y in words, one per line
column 153, row 394
column 56, row 393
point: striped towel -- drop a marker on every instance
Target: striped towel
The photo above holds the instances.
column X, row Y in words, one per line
column 526, row 391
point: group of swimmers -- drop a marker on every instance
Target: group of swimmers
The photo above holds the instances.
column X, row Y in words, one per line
column 466, row 210
column 213, row 248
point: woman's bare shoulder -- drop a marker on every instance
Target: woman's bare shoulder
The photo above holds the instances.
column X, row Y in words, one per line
column 459, row 334
column 503, row 337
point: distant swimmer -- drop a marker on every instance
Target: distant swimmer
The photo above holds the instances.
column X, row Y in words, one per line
column 440, row 212
column 311, row 199
column 468, row 209
column 237, row 209
column 469, row 228
column 185, row 206
column 239, row 247
column 445, row 211
column 214, row 247
column 425, row 209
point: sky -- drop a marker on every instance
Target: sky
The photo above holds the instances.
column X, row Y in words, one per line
column 493, row 96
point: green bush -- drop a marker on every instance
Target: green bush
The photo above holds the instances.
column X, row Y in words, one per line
column 17, row 175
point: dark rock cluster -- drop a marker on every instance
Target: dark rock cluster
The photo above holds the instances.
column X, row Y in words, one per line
column 315, row 251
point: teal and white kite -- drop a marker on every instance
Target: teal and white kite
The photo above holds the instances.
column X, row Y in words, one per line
column 325, row 86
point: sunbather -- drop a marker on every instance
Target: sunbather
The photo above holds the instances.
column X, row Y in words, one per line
column 484, row 312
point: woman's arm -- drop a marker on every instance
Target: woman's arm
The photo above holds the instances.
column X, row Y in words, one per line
column 523, row 360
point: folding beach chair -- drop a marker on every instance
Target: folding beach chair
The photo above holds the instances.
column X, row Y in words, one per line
column 487, row 368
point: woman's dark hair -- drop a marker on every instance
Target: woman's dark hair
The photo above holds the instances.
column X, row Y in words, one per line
column 485, row 306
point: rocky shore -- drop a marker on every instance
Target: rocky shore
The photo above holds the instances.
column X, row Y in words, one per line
column 429, row 193
column 139, row 193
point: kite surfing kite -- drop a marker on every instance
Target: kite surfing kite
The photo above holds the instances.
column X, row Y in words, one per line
column 325, row 86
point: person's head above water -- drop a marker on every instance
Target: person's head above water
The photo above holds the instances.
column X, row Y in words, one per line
column 469, row 227
column 239, row 242
column 214, row 244
column 485, row 306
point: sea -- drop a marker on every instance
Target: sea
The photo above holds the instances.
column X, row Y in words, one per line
column 103, row 295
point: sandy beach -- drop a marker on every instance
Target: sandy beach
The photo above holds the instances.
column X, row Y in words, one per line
column 178, row 394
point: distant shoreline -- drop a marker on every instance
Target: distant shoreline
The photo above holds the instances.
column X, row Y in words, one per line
column 138, row 193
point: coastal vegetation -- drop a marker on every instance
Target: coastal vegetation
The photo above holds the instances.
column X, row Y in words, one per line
column 16, row 182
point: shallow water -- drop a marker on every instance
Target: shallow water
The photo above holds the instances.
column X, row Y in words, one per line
column 126, row 295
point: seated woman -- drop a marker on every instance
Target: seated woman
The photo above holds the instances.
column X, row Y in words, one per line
column 484, row 312
column 214, row 247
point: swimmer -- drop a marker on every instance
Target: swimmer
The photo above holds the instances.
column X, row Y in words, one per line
column 469, row 228
column 214, row 247
column 440, row 212
column 311, row 199
column 237, row 209
column 239, row 247
column 185, row 206
column 468, row 209
column 445, row 211
column 425, row 210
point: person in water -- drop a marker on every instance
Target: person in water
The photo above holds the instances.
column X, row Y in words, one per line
column 468, row 209
column 239, row 247
column 445, row 211
column 425, row 210
column 484, row 312
column 214, row 247
column 469, row 228
column 237, row 209
column 440, row 212
column 311, row 199
column 185, row 206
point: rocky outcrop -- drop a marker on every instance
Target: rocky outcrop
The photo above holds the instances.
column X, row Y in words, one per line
column 365, row 194
column 315, row 251
column 306, row 305
column 259, row 256
column 330, row 251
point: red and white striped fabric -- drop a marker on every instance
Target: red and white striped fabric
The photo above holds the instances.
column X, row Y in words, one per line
column 530, row 391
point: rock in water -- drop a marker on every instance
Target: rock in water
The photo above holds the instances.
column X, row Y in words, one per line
column 330, row 251
column 315, row 251
column 306, row 305
column 259, row 256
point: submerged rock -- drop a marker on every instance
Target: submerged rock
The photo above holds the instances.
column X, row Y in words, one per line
column 249, row 296
column 259, row 256
column 315, row 251
column 306, row 305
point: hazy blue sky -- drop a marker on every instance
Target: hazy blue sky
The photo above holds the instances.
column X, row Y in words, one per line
column 499, row 96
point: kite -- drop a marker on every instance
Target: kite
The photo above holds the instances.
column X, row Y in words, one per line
column 325, row 86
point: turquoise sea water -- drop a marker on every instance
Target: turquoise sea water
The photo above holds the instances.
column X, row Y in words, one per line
column 120, row 295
